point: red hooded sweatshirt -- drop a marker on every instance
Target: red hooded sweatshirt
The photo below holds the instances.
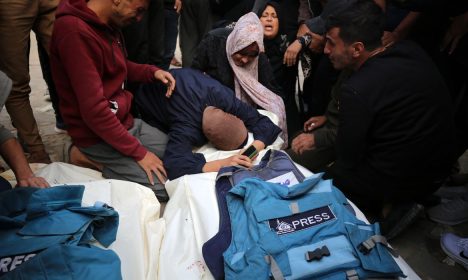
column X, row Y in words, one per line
column 89, row 68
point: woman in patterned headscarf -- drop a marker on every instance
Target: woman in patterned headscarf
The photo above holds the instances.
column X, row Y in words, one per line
column 243, row 53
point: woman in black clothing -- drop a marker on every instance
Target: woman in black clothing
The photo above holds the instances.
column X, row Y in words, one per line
column 276, row 44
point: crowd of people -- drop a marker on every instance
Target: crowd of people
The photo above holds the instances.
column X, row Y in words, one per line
column 382, row 109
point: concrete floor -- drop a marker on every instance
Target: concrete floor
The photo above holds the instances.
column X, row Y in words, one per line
column 419, row 245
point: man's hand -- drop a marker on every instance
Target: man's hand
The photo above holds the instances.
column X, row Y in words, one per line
column 216, row 165
column 290, row 56
column 314, row 123
column 389, row 38
column 151, row 163
column 178, row 6
column 303, row 142
column 455, row 32
column 33, row 181
column 167, row 79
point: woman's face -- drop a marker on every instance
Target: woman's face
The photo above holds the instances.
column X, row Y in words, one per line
column 246, row 55
column 270, row 22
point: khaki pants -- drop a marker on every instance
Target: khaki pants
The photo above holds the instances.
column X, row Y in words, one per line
column 17, row 19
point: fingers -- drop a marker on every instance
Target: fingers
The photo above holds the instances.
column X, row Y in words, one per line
column 454, row 44
column 178, row 6
column 311, row 124
column 241, row 160
column 170, row 85
column 302, row 143
column 38, row 182
column 150, row 176
column 290, row 58
column 161, row 177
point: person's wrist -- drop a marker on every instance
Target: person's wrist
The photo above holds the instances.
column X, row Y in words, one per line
column 301, row 41
column 305, row 40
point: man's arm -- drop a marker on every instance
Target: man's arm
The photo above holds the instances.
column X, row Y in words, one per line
column 354, row 122
column 13, row 154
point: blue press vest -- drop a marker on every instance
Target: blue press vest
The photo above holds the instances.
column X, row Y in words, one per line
column 47, row 234
column 273, row 164
column 275, row 227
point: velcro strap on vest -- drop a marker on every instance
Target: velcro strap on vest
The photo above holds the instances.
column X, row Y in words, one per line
column 317, row 254
column 274, row 268
column 367, row 246
column 352, row 275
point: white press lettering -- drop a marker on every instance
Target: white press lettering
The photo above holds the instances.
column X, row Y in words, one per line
column 28, row 257
column 16, row 261
column 295, row 223
column 4, row 263
column 318, row 218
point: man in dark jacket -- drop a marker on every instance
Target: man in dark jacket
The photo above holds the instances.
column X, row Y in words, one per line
column 185, row 119
column 395, row 139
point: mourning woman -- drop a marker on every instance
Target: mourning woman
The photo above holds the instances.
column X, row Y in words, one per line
column 235, row 57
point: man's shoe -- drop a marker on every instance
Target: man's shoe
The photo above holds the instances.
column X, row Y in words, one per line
column 400, row 217
column 456, row 248
column 450, row 213
column 452, row 192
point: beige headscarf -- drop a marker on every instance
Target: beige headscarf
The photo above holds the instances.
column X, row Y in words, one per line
column 247, row 31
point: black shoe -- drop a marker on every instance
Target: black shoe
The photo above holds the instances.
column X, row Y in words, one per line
column 400, row 217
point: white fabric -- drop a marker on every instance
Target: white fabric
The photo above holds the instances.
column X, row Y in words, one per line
column 140, row 231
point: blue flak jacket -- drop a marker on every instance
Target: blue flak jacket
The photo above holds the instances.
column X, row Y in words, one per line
column 275, row 228
column 47, row 234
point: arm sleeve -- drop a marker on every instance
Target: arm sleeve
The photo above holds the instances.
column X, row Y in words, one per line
column 201, row 59
column 88, row 88
column 266, row 76
column 325, row 137
column 179, row 159
column 141, row 73
column 355, row 120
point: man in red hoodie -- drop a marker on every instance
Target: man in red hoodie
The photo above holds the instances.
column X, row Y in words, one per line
column 90, row 70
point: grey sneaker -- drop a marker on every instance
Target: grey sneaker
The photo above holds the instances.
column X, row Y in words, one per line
column 450, row 213
column 456, row 248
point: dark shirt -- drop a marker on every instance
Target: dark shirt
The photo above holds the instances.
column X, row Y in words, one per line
column 395, row 123
column 181, row 117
